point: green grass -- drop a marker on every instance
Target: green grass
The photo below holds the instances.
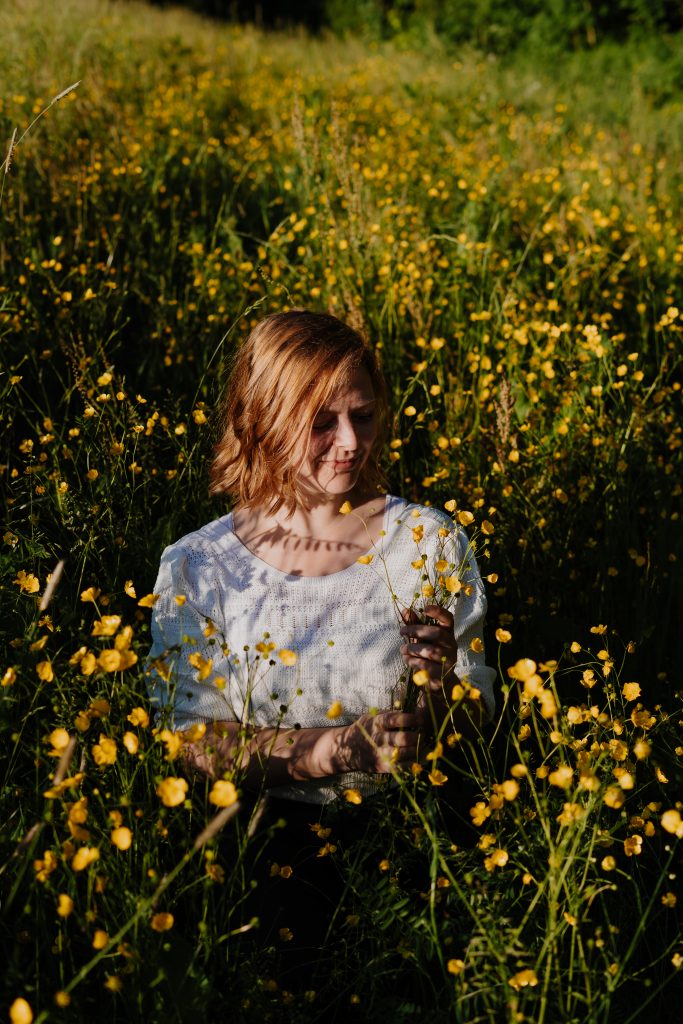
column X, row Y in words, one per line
column 507, row 234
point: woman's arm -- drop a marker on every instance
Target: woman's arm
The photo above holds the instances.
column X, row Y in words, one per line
column 277, row 756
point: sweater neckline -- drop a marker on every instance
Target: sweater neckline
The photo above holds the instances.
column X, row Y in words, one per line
column 249, row 554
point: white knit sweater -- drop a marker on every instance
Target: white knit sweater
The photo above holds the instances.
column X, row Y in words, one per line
column 343, row 628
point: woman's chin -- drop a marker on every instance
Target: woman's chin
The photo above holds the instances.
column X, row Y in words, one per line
column 341, row 484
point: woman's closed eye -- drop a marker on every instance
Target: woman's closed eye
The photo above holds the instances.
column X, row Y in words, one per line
column 359, row 418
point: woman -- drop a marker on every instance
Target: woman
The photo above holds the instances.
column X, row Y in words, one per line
column 304, row 420
column 286, row 611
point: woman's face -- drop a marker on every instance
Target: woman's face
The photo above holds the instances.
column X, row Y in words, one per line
column 341, row 439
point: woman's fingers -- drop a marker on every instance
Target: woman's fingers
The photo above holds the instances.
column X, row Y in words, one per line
column 428, row 652
column 388, row 757
column 442, row 615
column 398, row 739
column 397, row 720
column 433, row 633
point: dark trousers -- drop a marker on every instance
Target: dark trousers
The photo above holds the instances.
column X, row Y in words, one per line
column 301, row 897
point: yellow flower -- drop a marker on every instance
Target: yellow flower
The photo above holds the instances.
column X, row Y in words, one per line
column 465, row 518
column 88, row 664
column 9, row 677
column 59, row 738
column 673, row 823
column 642, row 749
column 113, row 983
column 195, row 733
column 203, row 665
column 131, row 742
column 365, row 559
column 139, row 716
column 62, row 999
column 287, row 657
column 451, row 505
column 523, row 979
column 45, row 671
column 335, row 710
column 418, row 532
column 421, row 677
column 440, row 566
column 487, row 528
column 61, row 787
column 346, row 508
column 570, row 814
column 109, row 660
column 64, row 905
column 129, row 589
column 510, row 789
column 631, row 691
column 561, row 777
column 633, row 845
column 100, row 939
column 437, row 778
column 642, row 719
column 172, row 791
column 452, row 584
column 20, row 1012
column 575, row 647
column 104, row 752
column 84, row 857
column 148, row 601
column 479, row 813
column 122, row 837
column 223, row 793
column 90, row 594
column 608, row 863
column 503, row 636
column 162, row 922
column 106, row 626
column 455, row 966
column 427, row 590
column 352, row 796
column 477, row 645
column 614, row 797
column 523, row 669
column 27, row 583
column 496, row 859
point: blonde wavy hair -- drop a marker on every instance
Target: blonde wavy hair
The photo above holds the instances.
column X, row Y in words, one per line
column 280, row 378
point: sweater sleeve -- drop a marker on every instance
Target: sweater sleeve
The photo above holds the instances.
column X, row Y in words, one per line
column 469, row 612
column 188, row 666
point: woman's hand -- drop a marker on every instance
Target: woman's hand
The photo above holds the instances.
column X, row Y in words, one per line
column 381, row 742
column 432, row 648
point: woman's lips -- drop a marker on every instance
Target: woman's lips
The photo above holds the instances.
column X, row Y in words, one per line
column 342, row 464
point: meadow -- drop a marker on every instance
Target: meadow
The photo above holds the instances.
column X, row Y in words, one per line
column 507, row 233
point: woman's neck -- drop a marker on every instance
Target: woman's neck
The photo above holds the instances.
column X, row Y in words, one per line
column 323, row 519
column 315, row 541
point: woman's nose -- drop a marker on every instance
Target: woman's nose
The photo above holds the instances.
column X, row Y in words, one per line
column 345, row 436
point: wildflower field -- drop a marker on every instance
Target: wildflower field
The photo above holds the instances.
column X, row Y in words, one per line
column 508, row 236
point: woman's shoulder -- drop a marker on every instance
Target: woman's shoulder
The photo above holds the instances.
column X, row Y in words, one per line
column 412, row 513
column 204, row 541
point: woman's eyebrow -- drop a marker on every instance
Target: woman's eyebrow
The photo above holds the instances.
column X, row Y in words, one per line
column 361, row 405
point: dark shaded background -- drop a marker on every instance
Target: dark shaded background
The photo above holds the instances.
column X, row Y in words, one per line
column 494, row 25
